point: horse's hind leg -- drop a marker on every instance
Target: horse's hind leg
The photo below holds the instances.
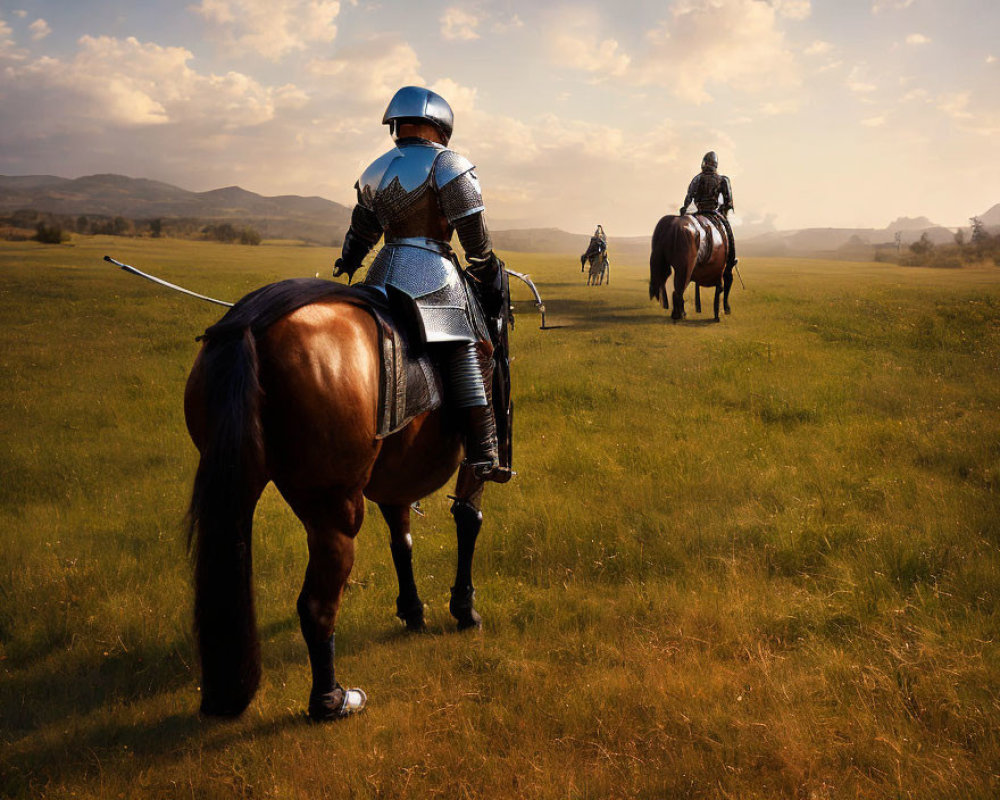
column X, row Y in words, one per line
column 332, row 520
column 727, row 284
column 715, row 303
column 697, row 298
column 468, row 520
column 409, row 607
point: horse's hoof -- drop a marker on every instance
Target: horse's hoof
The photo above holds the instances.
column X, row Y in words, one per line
column 462, row 608
column 337, row 704
column 728, row 310
column 469, row 621
column 412, row 616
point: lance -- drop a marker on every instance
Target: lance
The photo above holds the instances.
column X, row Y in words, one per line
column 739, row 275
column 169, row 285
column 159, row 281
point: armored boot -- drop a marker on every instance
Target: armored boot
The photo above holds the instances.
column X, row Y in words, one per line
column 469, row 375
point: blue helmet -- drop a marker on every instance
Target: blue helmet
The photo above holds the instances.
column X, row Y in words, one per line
column 420, row 105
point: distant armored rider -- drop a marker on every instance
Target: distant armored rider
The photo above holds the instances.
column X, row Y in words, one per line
column 705, row 189
column 598, row 244
column 417, row 195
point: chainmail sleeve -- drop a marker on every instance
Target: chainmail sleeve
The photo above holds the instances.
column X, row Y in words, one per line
column 361, row 237
column 727, row 194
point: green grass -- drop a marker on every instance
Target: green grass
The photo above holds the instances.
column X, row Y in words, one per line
column 754, row 559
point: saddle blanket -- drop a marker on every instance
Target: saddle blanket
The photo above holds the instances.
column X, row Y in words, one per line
column 408, row 383
column 713, row 235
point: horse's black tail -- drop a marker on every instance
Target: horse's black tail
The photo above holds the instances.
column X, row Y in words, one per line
column 664, row 245
column 227, row 486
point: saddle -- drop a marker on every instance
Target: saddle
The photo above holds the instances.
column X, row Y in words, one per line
column 409, row 385
column 713, row 234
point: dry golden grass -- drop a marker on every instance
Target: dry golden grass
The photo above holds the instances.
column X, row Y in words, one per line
column 755, row 559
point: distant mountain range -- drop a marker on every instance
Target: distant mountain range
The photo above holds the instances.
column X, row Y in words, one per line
column 323, row 221
column 287, row 216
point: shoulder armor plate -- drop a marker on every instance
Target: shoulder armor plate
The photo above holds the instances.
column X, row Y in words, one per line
column 410, row 164
column 450, row 165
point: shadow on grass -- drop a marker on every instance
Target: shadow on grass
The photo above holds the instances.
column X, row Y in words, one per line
column 123, row 748
column 586, row 315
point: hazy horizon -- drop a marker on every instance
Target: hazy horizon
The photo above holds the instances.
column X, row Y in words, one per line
column 823, row 115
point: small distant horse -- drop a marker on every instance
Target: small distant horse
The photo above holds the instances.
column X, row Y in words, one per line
column 291, row 398
column 695, row 249
column 597, row 256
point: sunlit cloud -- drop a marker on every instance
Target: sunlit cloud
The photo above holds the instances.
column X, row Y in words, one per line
column 890, row 5
column 874, row 122
column 39, row 29
column 734, row 43
column 459, row 24
column 991, row 59
column 372, row 69
column 917, row 38
column 818, row 48
column 271, row 28
column 20, row 13
column 793, row 9
column 585, row 51
column 115, row 82
column 857, row 82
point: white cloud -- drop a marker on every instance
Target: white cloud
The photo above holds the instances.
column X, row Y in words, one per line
column 8, row 47
column 793, row 9
column 734, row 43
column 991, row 59
column 39, row 29
column 818, row 48
column 956, row 104
column 134, row 84
column 917, row 38
column 584, row 51
column 459, row 24
column 512, row 23
column 890, row 5
column 20, row 13
column 874, row 122
column 858, row 83
column 372, row 69
column 271, row 28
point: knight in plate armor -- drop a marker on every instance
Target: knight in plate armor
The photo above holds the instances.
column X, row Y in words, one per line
column 417, row 195
column 705, row 189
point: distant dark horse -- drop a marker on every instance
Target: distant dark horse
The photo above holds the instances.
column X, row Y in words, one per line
column 292, row 398
column 696, row 251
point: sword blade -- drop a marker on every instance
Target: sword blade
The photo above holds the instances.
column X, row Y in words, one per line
column 161, row 282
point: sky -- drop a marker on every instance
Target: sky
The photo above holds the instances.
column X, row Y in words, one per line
column 824, row 113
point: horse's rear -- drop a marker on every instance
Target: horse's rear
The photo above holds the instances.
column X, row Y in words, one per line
column 676, row 247
column 295, row 401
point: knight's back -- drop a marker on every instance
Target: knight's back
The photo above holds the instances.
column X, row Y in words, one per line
column 418, row 189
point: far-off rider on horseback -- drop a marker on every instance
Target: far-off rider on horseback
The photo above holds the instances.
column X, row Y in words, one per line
column 417, row 195
column 705, row 189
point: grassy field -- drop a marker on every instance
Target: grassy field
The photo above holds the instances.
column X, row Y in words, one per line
column 753, row 559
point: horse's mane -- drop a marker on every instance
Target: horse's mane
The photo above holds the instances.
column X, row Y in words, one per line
column 264, row 306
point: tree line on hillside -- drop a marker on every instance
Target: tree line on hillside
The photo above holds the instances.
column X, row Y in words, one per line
column 975, row 247
column 49, row 228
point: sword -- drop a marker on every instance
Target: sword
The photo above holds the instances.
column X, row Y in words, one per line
column 162, row 282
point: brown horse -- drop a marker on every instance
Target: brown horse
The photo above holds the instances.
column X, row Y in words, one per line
column 291, row 398
column 696, row 250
